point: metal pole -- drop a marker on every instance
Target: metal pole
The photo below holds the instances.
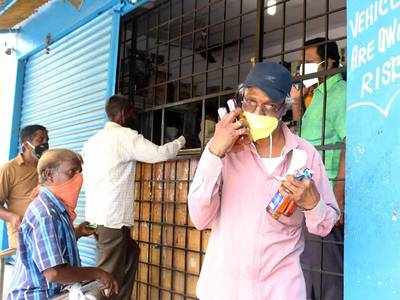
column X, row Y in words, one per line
column 259, row 31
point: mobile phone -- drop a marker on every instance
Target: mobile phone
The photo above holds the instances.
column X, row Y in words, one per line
column 231, row 105
column 222, row 112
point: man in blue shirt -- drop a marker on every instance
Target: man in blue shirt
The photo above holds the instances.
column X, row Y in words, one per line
column 47, row 257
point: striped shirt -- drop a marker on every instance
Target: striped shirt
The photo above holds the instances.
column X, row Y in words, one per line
column 46, row 239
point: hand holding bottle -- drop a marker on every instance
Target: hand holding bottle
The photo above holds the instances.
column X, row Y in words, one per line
column 302, row 192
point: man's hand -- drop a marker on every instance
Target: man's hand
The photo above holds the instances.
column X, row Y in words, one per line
column 109, row 283
column 304, row 193
column 295, row 93
column 227, row 132
column 84, row 229
column 15, row 221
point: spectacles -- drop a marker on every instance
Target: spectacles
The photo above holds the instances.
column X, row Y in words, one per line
column 250, row 105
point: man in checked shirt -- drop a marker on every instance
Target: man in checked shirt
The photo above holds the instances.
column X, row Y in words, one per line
column 47, row 256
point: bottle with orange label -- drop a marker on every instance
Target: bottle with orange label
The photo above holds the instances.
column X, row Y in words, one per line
column 279, row 205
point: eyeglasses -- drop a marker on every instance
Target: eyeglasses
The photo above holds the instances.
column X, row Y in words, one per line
column 250, row 105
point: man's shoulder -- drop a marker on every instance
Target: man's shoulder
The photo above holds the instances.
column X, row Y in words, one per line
column 340, row 86
column 40, row 208
column 305, row 145
column 124, row 130
column 10, row 165
column 9, row 170
column 110, row 134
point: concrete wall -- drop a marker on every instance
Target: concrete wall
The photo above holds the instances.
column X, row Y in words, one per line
column 8, row 74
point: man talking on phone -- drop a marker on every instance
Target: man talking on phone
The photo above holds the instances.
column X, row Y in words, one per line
column 252, row 255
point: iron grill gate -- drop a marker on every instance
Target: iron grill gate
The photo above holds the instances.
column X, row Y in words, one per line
column 65, row 88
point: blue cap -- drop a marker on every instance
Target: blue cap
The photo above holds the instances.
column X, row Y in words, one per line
column 272, row 78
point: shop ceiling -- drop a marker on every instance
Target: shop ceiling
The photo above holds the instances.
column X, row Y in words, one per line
column 13, row 12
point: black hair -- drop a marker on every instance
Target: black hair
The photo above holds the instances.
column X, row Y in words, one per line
column 332, row 49
column 116, row 104
column 29, row 131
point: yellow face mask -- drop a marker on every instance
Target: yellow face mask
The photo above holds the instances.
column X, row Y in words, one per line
column 260, row 126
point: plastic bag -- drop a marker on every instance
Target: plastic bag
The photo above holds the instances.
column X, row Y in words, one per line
column 76, row 293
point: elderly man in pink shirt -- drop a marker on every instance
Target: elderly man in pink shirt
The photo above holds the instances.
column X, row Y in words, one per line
column 250, row 254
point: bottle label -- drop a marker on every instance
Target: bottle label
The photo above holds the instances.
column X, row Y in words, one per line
column 275, row 202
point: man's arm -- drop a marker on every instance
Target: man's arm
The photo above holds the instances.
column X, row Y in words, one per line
column 339, row 188
column 204, row 198
column 321, row 219
column 340, row 128
column 5, row 214
column 138, row 148
column 41, row 236
column 10, row 217
column 66, row 274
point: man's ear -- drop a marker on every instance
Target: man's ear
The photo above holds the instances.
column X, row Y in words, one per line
column 48, row 175
column 331, row 62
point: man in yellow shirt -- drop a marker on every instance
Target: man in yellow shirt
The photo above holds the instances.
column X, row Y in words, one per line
column 18, row 178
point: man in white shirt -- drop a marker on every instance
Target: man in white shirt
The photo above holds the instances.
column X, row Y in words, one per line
column 110, row 158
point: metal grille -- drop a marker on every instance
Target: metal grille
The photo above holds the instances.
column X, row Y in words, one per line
column 183, row 59
column 180, row 61
column 172, row 249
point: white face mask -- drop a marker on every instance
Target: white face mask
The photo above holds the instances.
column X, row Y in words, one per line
column 310, row 68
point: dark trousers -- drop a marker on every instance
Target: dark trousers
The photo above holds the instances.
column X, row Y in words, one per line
column 328, row 257
column 118, row 254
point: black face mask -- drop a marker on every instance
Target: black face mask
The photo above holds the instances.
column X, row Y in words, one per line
column 39, row 149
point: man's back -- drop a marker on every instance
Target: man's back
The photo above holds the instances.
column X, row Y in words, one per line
column 109, row 170
column 109, row 177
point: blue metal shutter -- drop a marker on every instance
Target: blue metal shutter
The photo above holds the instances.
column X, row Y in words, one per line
column 65, row 90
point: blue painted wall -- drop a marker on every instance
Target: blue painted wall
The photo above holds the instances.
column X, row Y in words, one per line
column 372, row 238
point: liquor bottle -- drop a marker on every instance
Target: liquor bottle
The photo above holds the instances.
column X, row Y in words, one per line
column 279, row 205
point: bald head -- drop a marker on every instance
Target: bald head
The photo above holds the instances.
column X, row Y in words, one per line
column 52, row 159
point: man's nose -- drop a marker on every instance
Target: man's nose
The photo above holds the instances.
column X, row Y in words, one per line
column 258, row 110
